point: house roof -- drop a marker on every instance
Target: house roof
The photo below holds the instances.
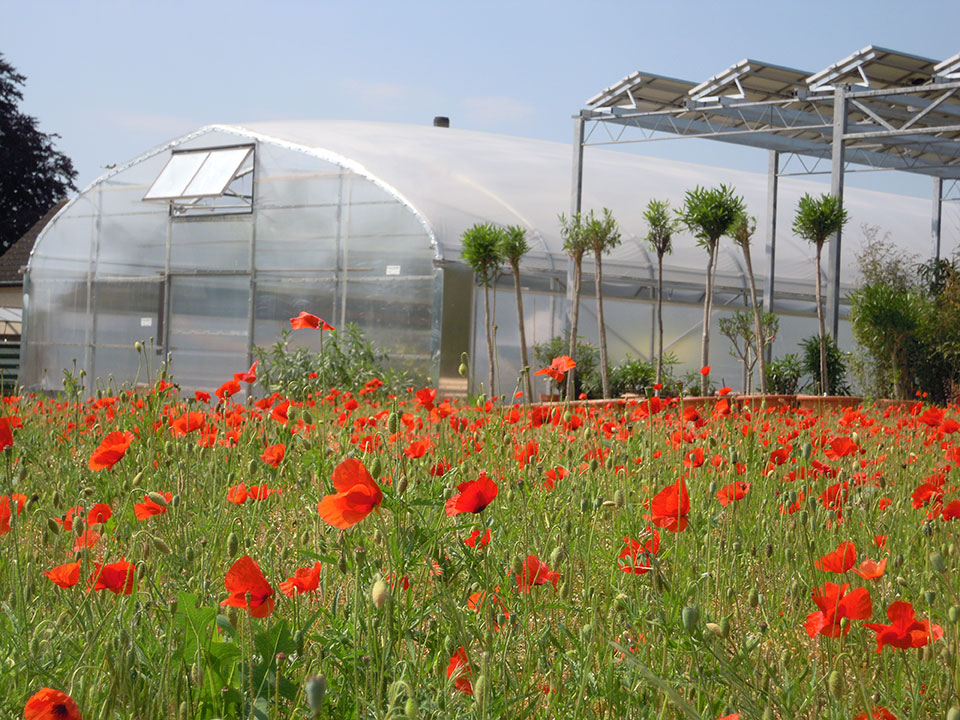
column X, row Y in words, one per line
column 15, row 258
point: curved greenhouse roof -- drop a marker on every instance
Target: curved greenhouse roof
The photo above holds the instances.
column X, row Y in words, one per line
column 211, row 242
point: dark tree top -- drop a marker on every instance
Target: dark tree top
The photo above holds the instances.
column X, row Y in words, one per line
column 34, row 176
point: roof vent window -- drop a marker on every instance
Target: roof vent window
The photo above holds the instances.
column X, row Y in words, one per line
column 204, row 182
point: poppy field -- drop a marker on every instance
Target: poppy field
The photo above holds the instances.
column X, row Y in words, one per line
column 366, row 555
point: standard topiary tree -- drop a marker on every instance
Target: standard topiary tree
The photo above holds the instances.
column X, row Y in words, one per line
column 660, row 237
column 816, row 220
column 513, row 246
column 602, row 236
column 481, row 251
column 709, row 213
column 573, row 232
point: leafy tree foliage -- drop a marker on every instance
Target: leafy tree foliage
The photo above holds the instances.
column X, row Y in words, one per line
column 513, row 246
column 662, row 226
column 33, row 175
column 481, row 246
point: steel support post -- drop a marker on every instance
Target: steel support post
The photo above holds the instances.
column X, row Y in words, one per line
column 773, row 186
column 937, row 216
column 838, row 148
column 576, row 191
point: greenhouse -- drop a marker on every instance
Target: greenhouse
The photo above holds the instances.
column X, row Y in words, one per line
column 210, row 243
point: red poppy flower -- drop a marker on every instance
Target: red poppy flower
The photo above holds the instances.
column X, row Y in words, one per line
column 705, row 370
column 640, row 554
column 66, row 576
column 228, row 389
column 558, row 473
column 694, row 458
column 250, row 376
column 261, row 492
column 149, row 508
column 473, row 497
column 273, row 454
column 119, row 577
column 477, row 538
column 734, row 491
column 477, row 600
column 870, row 570
column 835, row 604
column 187, row 423
column 559, row 367
column 6, row 434
column 99, row 513
column 425, row 398
column 878, row 713
column 305, row 579
column 87, row 539
column 904, row 631
column 237, row 494
column 418, row 448
column 951, row 510
column 5, row 510
column 536, row 572
column 459, row 671
column 245, row 579
column 671, row 506
column 840, row 560
column 50, row 704
column 835, row 495
column 112, row 448
column 201, row 396
column 358, row 495
column 840, row 447
column 305, row 321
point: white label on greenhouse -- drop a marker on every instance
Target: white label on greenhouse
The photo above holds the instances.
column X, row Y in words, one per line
column 393, row 269
column 146, row 322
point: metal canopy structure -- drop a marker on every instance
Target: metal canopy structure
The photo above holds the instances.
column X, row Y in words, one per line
column 876, row 109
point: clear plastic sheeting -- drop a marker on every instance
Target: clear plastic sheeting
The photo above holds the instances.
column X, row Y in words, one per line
column 361, row 222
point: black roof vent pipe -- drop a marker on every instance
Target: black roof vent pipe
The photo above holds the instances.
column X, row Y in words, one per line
column 441, row 121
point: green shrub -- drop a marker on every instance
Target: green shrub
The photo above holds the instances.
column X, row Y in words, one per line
column 348, row 362
column 634, row 375
column 836, row 365
column 784, row 374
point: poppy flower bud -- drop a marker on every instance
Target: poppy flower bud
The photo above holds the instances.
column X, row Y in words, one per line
column 947, row 655
column 188, row 555
column 393, row 422
column 953, row 713
column 88, row 491
column 462, row 369
column 584, row 505
column 712, row 487
column 402, row 485
column 316, row 689
column 342, row 562
column 806, row 450
column 567, row 416
column 930, row 596
column 175, row 501
column 479, row 689
column 691, row 617
column 725, row 628
column 753, row 598
column 565, row 591
column 138, row 346
column 954, row 614
column 184, row 712
column 835, row 684
column 936, row 560
column 233, row 544
column 557, row 556
column 410, row 709
column 78, row 526
column 378, row 594
column 161, row 546
column 157, row 498
column 168, row 447
column 594, row 465
column 714, row 629
column 53, row 526
column 376, row 467
column 734, row 456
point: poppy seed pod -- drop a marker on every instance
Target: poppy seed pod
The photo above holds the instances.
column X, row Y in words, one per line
column 953, row 713
column 161, row 546
column 157, row 498
column 376, row 467
column 714, row 629
column 954, row 614
column 936, row 561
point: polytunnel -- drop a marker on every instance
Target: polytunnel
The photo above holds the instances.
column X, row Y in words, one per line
column 211, row 242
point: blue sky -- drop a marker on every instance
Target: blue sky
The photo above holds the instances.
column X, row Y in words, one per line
column 117, row 78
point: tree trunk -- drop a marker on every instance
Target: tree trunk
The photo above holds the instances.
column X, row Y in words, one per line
column 660, row 316
column 488, row 321
column 824, row 378
column 604, row 368
column 757, row 324
column 523, row 335
column 707, row 302
column 571, row 375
